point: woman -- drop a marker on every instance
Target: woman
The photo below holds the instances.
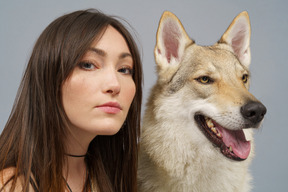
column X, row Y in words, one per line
column 75, row 122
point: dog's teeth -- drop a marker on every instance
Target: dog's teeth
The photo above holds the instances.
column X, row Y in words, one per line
column 219, row 135
column 230, row 148
column 209, row 123
column 214, row 130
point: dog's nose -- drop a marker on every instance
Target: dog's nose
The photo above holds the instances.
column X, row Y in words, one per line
column 253, row 111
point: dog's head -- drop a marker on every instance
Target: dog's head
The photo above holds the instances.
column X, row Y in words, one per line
column 212, row 82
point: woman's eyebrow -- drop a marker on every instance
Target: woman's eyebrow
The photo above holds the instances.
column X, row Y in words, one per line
column 102, row 53
column 124, row 55
column 98, row 51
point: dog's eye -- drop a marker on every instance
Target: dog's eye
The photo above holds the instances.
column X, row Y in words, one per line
column 204, row 80
column 245, row 78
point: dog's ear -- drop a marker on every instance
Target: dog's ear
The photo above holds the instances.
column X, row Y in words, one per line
column 170, row 45
column 238, row 37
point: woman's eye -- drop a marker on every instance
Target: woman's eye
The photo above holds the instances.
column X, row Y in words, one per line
column 87, row 65
column 204, row 80
column 126, row 70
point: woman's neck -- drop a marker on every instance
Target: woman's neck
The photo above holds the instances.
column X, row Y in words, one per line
column 75, row 173
column 77, row 141
column 75, row 170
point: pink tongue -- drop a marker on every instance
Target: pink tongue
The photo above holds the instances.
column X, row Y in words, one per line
column 237, row 140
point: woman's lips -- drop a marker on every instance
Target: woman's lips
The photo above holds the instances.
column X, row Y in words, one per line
column 110, row 107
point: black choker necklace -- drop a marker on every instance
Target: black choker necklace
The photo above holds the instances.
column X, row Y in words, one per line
column 70, row 155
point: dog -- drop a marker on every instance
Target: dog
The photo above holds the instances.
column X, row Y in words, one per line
column 197, row 128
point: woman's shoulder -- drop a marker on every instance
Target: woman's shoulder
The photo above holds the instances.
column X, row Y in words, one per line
column 6, row 176
column 6, row 180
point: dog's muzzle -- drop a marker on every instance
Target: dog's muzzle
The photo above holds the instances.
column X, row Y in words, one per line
column 233, row 143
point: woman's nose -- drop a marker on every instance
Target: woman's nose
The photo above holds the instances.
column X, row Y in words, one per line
column 111, row 84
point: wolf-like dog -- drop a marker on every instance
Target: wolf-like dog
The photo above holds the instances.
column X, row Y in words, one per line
column 197, row 127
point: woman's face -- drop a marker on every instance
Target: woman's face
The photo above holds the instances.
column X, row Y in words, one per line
column 98, row 94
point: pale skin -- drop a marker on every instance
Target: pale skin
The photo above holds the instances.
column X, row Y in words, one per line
column 96, row 98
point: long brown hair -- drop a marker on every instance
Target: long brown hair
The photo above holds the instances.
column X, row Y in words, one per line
column 32, row 140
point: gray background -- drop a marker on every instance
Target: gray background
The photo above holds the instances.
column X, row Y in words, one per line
column 21, row 22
